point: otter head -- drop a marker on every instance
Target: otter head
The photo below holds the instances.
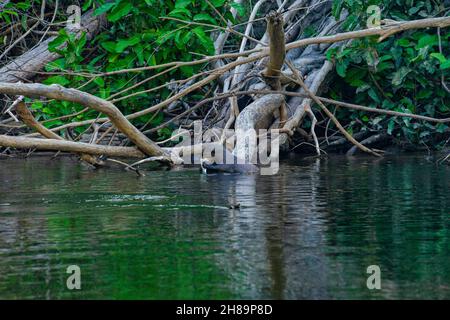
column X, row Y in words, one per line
column 207, row 163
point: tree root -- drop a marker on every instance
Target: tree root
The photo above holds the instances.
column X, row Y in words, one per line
column 299, row 81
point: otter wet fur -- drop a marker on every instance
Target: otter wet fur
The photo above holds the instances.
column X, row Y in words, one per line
column 209, row 166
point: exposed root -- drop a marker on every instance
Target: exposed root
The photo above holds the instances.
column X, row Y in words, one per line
column 299, row 81
column 313, row 126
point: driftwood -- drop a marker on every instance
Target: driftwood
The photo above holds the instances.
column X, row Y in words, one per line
column 72, row 95
column 69, row 146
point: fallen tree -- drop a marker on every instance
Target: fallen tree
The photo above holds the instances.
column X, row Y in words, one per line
column 114, row 115
column 281, row 82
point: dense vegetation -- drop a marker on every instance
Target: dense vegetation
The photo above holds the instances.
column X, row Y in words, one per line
column 406, row 72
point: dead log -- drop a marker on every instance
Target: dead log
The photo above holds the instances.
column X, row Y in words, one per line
column 260, row 113
column 25, row 66
column 72, row 95
column 69, row 146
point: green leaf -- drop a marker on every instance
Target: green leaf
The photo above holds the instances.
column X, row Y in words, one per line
column 125, row 43
column 391, row 127
column 404, row 42
column 201, row 35
column 139, row 50
column 217, row 3
column 180, row 12
column 205, row 17
column 341, row 69
column 384, row 66
column 373, row 95
column 87, row 5
column 187, row 70
column 186, row 37
column 59, row 64
column 182, row 3
column 363, row 88
column 99, row 81
column 80, row 44
column 104, row 8
column 445, row 65
column 438, row 56
column 57, row 43
column 337, row 8
column 240, row 9
column 400, row 75
column 109, row 46
column 424, row 94
column 427, row 40
column 61, row 80
column 120, row 11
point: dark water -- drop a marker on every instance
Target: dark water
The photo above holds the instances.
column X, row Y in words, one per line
column 309, row 232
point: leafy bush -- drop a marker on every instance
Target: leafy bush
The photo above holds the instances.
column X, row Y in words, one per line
column 402, row 73
column 136, row 36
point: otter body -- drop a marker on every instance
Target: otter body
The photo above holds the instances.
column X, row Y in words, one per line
column 211, row 167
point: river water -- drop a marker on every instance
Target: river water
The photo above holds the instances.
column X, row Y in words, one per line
column 309, row 232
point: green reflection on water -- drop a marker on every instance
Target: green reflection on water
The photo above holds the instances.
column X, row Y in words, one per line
column 309, row 232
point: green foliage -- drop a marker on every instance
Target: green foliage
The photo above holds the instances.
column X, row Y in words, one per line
column 402, row 73
column 137, row 36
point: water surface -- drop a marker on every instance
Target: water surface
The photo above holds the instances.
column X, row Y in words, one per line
column 309, row 232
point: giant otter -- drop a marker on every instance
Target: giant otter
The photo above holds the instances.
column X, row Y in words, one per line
column 227, row 164
column 210, row 166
